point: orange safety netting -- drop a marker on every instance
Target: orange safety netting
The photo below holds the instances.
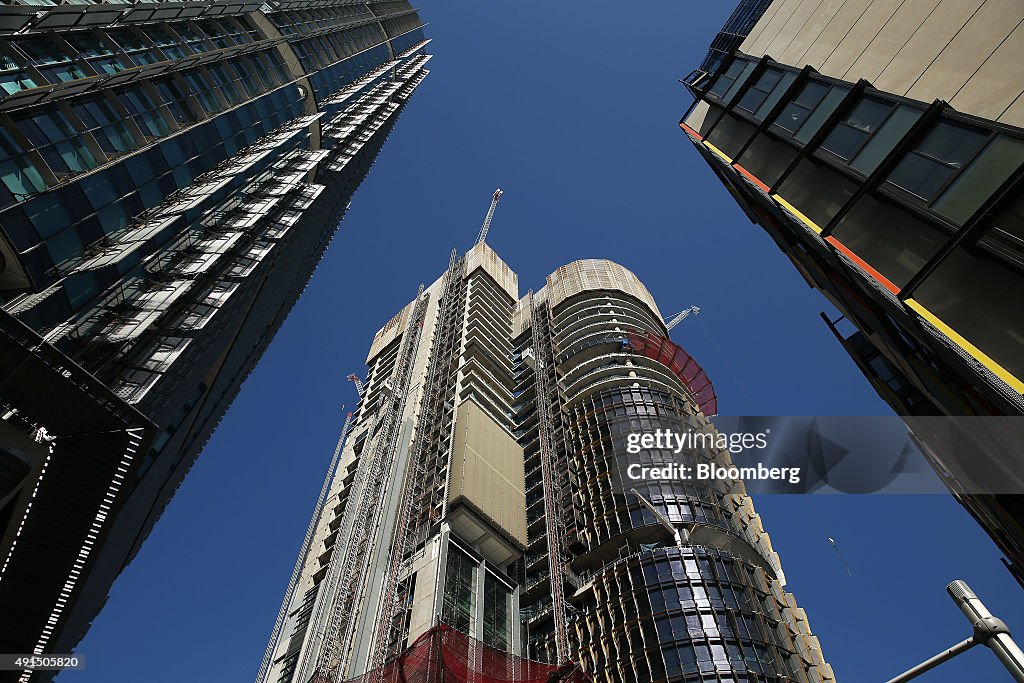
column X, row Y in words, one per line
column 444, row 655
column 682, row 364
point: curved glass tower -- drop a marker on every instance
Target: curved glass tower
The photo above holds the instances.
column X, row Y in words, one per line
column 636, row 603
column 480, row 487
column 170, row 175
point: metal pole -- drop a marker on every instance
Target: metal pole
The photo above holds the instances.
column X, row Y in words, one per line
column 988, row 630
column 934, row 661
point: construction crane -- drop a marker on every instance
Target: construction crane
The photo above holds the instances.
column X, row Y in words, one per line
column 681, row 316
column 360, row 389
column 482, row 237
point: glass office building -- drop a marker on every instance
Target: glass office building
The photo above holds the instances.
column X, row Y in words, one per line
column 882, row 148
column 170, row 175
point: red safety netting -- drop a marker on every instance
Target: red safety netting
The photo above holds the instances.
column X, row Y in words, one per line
column 682, row 364
column 444, row 655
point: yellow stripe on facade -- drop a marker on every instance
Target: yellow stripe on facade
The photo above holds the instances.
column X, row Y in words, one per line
column 717, row 151
column 793, row 210
column 979, row 355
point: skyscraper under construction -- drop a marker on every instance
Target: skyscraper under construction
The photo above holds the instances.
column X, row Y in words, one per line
column 478, row 489
column 170, row 175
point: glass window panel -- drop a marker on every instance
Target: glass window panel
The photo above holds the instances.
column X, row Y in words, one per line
column 920, row 176
column 811, row 94
column 98, row 189
column 893, row 241
column 76, row 155
column 87, row 44
column 12, row 82
column 869, row 114
column 21, row 177
column 981, row 179
column 1008, row 228
column 759, row 91
column 953, row 143
column 48, row 214
column 891, row 132
column 816, row 120
column 979, row 295
column 108, row 66
column 817, row 191
column 776, row 95
column 63, row 73
column 41, row 50
column 731, row 134
column 844, row 141
column 64, row 245
column 748, row 68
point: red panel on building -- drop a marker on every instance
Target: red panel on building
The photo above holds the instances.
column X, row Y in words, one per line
column 444, row 655
column 682, row 365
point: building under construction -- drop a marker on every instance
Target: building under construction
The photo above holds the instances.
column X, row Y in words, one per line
column 476, row 489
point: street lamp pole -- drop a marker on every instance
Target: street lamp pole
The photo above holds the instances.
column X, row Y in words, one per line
column 988, row 630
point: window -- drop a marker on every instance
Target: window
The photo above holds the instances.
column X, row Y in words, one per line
column 63, row 148
column 932, row 165
column 13, row 81
column 851, row 133
column 41, row 50
column 978, row 288
column 459, row 591
column 176, row 101
column 497, row 614
column 894, row 241
column 144, row 111
column 201, row 88
column 806, row 114
column 984, row 176
column 760, row 90
column 192, row 37
column 226, row 83
column 725, row 82
column 18, row 174
column 796, row 112
column 105, row 124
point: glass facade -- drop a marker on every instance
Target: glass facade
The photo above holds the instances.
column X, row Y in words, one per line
column 639, row 606
column 729, row 38
column 894, row 185
column 169, row 178
column 906, row 214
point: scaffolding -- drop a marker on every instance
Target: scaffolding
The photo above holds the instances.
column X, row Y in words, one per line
column 398, row 578
column 349, row 567
column 553, row 521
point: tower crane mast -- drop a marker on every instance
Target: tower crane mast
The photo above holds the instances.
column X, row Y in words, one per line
column 482, row 237
column 681, row 316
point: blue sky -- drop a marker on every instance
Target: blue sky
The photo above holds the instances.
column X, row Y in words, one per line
column 571, row 107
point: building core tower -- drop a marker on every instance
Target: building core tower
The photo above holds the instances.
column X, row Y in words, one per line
column 479, row 486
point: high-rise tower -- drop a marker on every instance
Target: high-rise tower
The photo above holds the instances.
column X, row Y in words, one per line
column 170, row 175
column 881, row 146
column 480, row 486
